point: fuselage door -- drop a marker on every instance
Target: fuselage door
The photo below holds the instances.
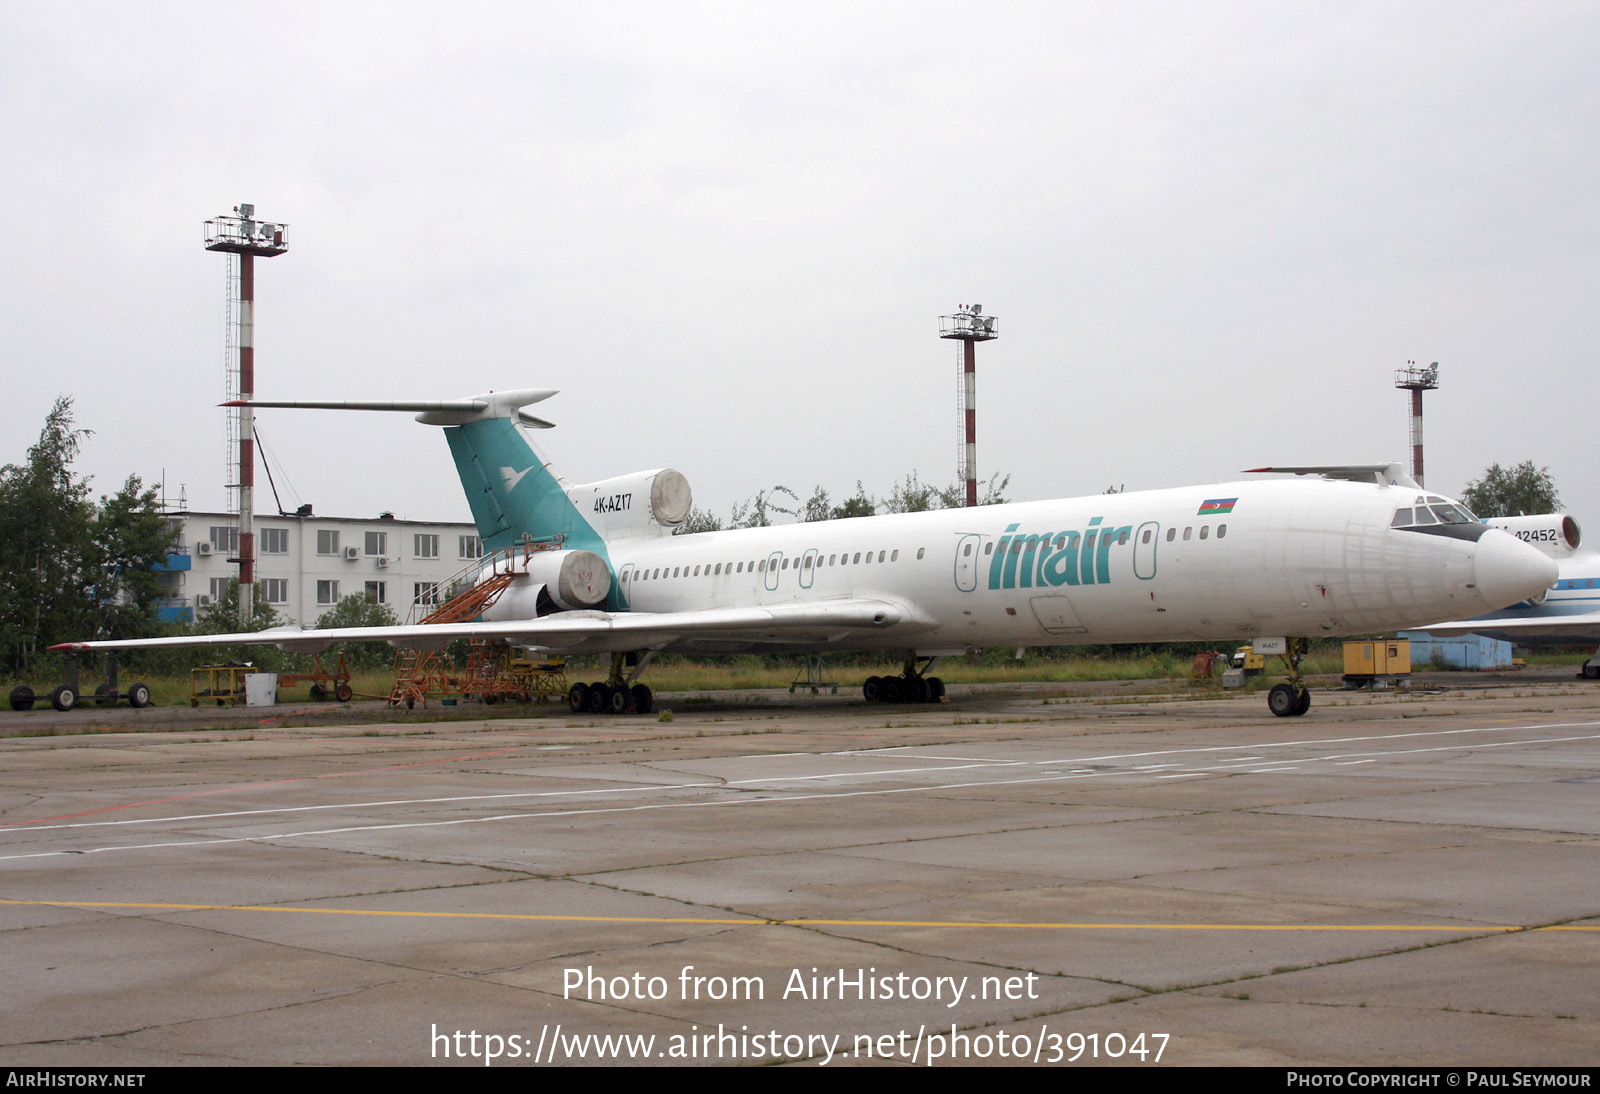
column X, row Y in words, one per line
column 808, row 568
column 774, row 561
column 967, row 551
column 1144, row 550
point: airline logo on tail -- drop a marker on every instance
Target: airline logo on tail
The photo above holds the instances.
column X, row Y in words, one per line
column 513, row 477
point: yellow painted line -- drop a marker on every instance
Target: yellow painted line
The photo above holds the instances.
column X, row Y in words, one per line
column 751, row 922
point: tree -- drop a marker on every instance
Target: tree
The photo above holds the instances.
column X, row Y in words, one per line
column 857, row 505
column 360, row 610
column 757, row 512
column 45, row 544
column 912, row 496
column 70, row 569
column 131, row 539
column 700, row 520
column 1510, row 491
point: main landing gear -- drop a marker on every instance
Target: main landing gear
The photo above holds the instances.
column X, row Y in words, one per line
column 617, row 694
column 911, row 686
column 1292, row 699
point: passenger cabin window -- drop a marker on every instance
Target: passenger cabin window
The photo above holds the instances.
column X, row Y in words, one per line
column 1222, row 530
column 1205, row 531
column 1172, row 534
column 1186, row 532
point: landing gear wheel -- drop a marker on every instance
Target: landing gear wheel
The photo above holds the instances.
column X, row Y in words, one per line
column 139, row 696
column 599, row 699
column 918, row 690
column 578, row 698
column 872, row 690
column 105, row 696
column 1282, row 700
column 643, row 701
column 22, row 697
column 344, row 693
column 935, row 688
column 618, row 700
column 1304, row 704
column 891, row 689
column 63, row 698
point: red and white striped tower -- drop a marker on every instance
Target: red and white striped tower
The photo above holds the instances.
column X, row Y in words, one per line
column 1417, row 380
column 969, row 326
column 243, row 235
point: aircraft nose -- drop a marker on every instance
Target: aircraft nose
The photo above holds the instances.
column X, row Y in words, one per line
column 1508, row 570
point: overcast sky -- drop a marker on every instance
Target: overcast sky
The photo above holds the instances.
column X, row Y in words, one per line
column 725, row 232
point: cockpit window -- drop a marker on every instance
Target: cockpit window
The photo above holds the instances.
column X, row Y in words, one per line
column 1438, row 516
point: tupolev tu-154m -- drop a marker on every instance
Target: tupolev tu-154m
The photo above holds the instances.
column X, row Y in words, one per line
column 595, row 568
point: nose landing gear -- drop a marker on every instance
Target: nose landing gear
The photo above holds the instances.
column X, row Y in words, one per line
column 1291, row 699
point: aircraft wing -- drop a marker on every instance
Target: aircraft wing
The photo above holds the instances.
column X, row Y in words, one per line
column 1546, row 625
column 584, row 631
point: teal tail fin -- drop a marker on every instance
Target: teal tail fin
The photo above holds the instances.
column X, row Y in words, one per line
column 510, row 485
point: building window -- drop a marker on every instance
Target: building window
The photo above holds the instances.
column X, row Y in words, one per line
column 425, row 546
column 277, row 589
column 274, row 541
column 219, row 587
column 377, row 591
column 425, row 592
column 327, row 541
column 471, row 547
column 377, row 543
column 327, row 591
column 225, row 539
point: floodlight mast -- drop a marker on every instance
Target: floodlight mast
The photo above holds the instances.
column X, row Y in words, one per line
column 968, row 326
column 1416, row 380
column 243, row 235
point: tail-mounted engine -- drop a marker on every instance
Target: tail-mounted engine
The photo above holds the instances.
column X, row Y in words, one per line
column 643, row 503
column 1556, row 534
column 552, row 581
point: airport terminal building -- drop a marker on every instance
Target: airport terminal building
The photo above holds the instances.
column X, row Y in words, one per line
column 305, row 564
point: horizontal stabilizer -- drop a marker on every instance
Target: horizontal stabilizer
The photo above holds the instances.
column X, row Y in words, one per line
column 1384, row 474
column 503, row 404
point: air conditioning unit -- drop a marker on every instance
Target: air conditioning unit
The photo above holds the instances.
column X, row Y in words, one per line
column 202, row 548
column 201, row 599
column 352, row 553
column 382, row 562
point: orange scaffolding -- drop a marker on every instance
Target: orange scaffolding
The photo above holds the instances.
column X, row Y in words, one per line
column 491, row 673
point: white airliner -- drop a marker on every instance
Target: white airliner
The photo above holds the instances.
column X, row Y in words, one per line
column 595, row 569
column 1567, row 613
